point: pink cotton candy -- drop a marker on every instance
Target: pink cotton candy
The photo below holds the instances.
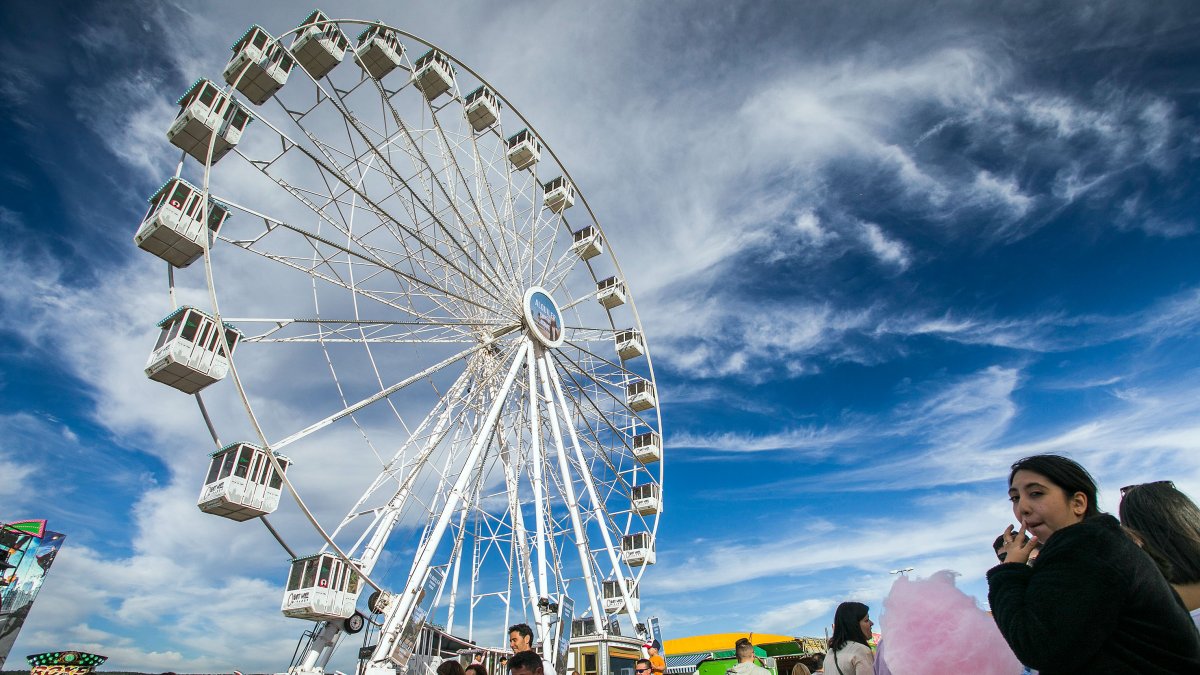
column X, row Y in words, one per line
column 932, row 628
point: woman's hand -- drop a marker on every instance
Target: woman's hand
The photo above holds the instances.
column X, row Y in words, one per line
column 1018, row 545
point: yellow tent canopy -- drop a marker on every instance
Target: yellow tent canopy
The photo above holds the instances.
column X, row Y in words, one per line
column 717, row 641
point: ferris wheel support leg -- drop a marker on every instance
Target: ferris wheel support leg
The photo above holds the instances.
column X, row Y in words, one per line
column 569, row 487
column 458, row 551
column 536, row 457
column 320, row 650
column 597, row 510
column 401, row 611
column 521, row 551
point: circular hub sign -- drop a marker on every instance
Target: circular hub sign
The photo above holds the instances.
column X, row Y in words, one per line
column 542, row 317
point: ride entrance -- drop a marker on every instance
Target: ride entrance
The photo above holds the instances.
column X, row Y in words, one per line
column 419, row 315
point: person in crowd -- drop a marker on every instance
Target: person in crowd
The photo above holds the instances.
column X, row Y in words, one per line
column 849, row 653
column 1095, row 602
column 744, row 650
column 800, row 669
column 642, row 667
column 1166, row 524
column 477, row 668
column 525, row 662
column 520, row 638
column 814, row 662
column 450, row 667
column 657, row 663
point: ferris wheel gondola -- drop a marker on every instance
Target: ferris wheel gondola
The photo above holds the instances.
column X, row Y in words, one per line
column 462, row 316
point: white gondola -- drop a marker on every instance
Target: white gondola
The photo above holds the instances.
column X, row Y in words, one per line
column 640, row 396
column 613, row 602
column 173, row 226
column 483, row 108
column 242, row 483
column 646, row 498
column 523, row 149
column 587, row 243
column 647, row 447
column 379, row 51
column 583, row 627
column 433, row 74
column 637, row 549
column 205, row 110
column 320, row 45
column 265, row 62
column 321, row 587
column 559, row 194
column 610, row 292
column 630, row 344
column 188, row 354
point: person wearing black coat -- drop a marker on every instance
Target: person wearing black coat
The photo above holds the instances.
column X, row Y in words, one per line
column 1094, row 602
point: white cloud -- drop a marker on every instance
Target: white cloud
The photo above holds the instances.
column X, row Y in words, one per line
column 886, row 250
column 785, row 618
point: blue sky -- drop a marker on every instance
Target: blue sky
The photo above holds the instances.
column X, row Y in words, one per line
column 880, row 250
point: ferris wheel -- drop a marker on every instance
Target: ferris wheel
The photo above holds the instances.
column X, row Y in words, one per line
column 407, row 291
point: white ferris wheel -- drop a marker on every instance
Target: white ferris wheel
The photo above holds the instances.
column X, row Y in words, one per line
column 390, row 247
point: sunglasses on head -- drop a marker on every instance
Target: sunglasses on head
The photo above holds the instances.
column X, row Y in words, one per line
column 1125, row 490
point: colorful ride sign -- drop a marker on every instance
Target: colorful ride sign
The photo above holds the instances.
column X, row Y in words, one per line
column 542, row 317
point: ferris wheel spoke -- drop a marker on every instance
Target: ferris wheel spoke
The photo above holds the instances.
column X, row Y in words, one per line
column 462, row 176
column 502, row 251
column 333, row 170
column 358, row 125
column 364, row 331
column 593, row 433
column 601, row 385
column 379, row 395
column 315, row 239
column 440, row 417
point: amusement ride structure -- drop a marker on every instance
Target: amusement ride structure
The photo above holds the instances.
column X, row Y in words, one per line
column 407, row 283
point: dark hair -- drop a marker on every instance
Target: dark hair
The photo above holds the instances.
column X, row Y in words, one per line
column 645, row 662
column 1065, row 473
column 477, row 668
column 845, row 625
column 521, row 629
column 529, row 660
column 450, row 667
column 1168, row 525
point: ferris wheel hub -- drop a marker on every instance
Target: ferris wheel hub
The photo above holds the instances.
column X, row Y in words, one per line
column 543, row 320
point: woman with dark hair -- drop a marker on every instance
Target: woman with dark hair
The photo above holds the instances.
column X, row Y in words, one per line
column 477, row 668
column 848, row 651
column 450, row 667
column 1166, row 524
column 1094, row 602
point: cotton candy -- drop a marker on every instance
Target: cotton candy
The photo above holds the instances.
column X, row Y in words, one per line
column 932, row 628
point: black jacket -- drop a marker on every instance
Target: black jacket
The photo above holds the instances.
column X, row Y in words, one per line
column 1093, row 603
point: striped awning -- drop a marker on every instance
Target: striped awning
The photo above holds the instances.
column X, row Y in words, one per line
column 685, row 664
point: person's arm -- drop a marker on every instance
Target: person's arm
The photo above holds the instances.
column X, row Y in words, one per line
column 863, row 662
column 1058, row 614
